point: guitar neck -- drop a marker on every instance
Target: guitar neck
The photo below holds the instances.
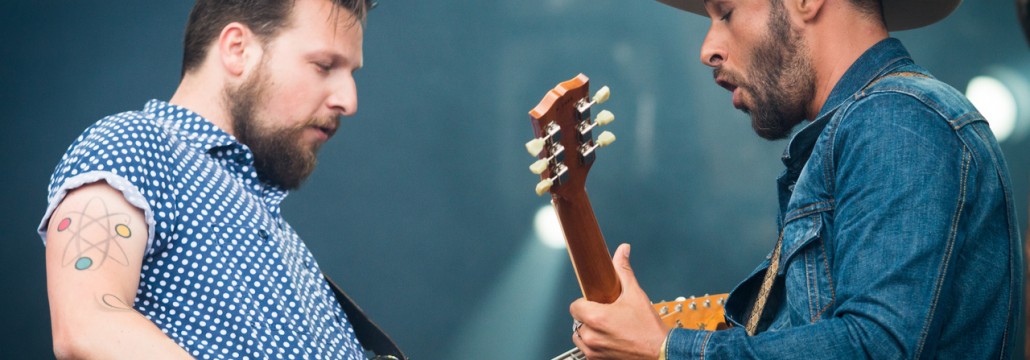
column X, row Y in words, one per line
column 587, row 249
column 565, row 145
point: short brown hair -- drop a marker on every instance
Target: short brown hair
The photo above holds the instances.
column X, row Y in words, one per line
column 264, row 17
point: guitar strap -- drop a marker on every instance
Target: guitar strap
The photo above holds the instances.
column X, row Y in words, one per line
column 774, row 263
column 371, row 336
column 763, row 293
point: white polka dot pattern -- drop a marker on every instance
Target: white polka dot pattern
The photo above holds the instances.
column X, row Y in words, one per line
column 224, row 276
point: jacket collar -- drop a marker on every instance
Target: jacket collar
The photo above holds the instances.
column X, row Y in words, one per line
column 879, row 60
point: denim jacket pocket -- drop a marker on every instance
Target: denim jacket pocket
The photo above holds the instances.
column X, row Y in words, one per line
column 805, row 266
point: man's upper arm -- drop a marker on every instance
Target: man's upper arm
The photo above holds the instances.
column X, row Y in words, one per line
column 95, row 244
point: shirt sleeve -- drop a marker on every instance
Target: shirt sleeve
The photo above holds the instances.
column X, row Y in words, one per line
column 126, row 152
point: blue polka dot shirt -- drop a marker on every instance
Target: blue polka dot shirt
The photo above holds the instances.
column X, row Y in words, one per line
column 223, row 275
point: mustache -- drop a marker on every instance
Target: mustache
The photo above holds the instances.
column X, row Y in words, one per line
column 727, row 75
column 327, row 123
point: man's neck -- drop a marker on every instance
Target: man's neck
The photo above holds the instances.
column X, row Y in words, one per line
column 836, row 39
column 204, row 97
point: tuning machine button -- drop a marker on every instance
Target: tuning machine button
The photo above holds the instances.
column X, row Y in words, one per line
column 543, row 186
column 535, row 146
column 604, row 117
column 605, row 139
column 539, row 166
column 602, row 95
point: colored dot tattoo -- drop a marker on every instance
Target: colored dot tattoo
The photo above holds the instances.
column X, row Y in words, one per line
column 64, row 224
column 83, row 263
column 122, row 231
column 95, row 232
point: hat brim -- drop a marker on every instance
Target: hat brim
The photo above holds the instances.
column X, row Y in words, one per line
column 899, row 14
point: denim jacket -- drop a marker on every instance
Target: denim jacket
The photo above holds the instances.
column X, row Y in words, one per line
column 899, row 235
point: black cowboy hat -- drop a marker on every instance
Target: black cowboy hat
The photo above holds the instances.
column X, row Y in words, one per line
column 899, row 14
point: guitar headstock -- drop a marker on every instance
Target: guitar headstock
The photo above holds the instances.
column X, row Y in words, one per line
column 699, row 313
column 564, row 139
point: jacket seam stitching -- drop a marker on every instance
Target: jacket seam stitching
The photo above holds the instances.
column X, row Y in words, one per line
column 704, row 344
column 829, row 278
column 813, row 296
column 943, row 269
column 809, row 210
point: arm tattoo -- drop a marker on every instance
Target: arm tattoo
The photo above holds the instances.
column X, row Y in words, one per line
column 95, row 235
column 114, row 302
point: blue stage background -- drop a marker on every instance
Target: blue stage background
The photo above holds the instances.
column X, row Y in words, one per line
column 422, row 207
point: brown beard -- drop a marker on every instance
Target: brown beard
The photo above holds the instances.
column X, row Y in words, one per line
column 280, row 157
column 783, row 81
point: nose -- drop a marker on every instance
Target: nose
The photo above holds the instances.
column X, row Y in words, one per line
column 344, row 98
column 713, row 53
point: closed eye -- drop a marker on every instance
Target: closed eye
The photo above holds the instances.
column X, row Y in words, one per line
column 323, row 67
column 727, row 16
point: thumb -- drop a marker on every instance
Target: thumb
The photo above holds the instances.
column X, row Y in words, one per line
column 621, row 262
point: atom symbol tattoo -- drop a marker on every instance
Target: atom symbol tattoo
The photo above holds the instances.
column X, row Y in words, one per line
column 94, row 232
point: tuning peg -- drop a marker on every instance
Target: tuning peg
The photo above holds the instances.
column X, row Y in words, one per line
column 538, row 166
column 604, row 117
column 602, row 95
column 543, row 186
column 535, row 146
column 605, row 139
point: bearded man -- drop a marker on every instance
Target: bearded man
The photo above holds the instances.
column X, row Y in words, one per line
column 164, row 237
column 897, row 235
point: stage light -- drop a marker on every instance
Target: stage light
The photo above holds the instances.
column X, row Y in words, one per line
column 1001, row 96
column 510, row 321
column 995, row 102
column 547, row 228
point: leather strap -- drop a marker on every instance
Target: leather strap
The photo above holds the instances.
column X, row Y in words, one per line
column 899, row 73
column 371, row 336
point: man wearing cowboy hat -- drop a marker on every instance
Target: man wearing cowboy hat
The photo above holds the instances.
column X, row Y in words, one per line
column 897, row 236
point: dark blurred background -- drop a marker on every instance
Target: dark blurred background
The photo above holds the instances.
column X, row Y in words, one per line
column 423, row 206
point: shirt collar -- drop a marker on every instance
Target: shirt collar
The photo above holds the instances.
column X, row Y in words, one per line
column 190, row 126
column 879, row 60
column 202, row 134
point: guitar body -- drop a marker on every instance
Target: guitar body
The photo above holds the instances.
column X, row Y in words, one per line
column 703, row 313
column 566, row 148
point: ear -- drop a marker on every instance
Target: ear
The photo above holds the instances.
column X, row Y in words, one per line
column 238, row 49
column 807, row 10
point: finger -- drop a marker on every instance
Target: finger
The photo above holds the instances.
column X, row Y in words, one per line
column 621, row 261
column 578, row 341
column 581, row 343
column 588, row 312
column 580, row 309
